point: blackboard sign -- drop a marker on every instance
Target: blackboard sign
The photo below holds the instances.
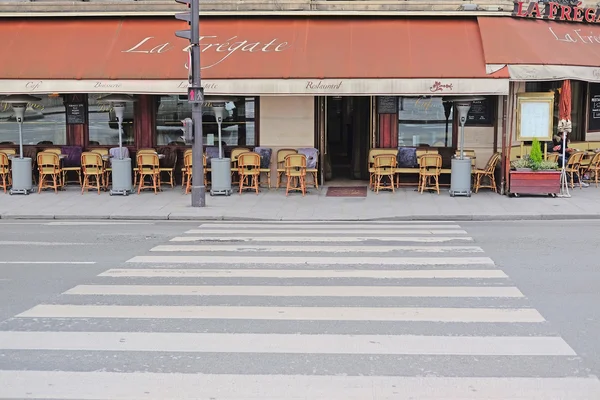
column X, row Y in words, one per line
column 480, row 113
column 75, row 113
column 387, row 104
column 594, row 108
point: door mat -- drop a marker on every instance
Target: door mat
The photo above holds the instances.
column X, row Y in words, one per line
column 347, row 191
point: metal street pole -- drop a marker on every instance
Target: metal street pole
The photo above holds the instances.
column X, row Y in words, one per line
column 195, row 97
column 198, row 189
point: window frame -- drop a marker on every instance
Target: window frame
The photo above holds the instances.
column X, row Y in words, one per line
column 227, row 148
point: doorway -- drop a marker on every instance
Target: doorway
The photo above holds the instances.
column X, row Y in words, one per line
column 347, row 137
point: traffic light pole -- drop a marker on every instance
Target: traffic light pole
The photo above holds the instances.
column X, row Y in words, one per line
column 198, row 188
column 195, row 97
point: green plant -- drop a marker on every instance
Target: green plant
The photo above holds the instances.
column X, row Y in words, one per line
column 523, row 162
column 536, row 156
column 547, row 165
column 527, row 162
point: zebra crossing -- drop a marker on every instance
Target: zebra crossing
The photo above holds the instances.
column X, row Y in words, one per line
column 295, row 310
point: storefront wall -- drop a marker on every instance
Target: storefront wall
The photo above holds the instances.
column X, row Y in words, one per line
column 283, row 63
column 286, row 122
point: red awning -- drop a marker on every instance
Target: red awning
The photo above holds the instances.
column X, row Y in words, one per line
column 298, row 48
column 541, row 49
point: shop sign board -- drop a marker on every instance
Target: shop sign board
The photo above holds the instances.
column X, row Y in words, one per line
column 594, row 108
column 558, row 10
column 75, row 113
column 387, row 104
column 480, row 113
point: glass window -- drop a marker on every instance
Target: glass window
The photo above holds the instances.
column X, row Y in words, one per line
column 44, row 123
column 237, row 129
column 103, row 125
column 577, row 105
column 422, row 121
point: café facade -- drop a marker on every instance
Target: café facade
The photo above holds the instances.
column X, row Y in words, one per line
column 340, row 85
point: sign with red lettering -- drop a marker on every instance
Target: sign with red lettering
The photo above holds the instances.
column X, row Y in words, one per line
column 559, row 10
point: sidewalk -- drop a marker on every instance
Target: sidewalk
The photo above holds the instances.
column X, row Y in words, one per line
column 405, row 204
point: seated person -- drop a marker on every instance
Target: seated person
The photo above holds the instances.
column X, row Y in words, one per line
column 557, row 143
column 557, row 148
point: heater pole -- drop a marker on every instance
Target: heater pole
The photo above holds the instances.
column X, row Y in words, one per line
column 20, row 139
column 120, row 138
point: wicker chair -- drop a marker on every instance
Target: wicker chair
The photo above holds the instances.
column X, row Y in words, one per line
column 487, row 172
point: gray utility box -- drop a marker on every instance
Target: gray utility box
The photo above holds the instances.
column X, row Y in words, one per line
column 460, row 178
column 220, row 176
column 21, row 175
column 121, row 176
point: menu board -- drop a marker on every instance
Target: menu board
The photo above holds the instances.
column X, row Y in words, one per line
column 387, row 104
column 75, row 113
column 594, row 108
column 480, row 113
column 535, row 120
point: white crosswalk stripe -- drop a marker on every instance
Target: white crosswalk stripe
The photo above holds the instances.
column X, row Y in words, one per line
column 324, row 239
column 312, row 260
column 271, row 310
column 211, row 248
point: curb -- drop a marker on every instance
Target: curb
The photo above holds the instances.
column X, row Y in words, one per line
column 168, row 217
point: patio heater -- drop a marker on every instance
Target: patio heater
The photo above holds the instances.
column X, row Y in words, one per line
column 121, row 166
column 22, row 166
column 220, row 167
column 460, row 177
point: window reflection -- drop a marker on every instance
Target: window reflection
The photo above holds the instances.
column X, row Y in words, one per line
column 577, row 105
column 44, row 123
column 422, row 122
column 237, row 129
column 103, row 125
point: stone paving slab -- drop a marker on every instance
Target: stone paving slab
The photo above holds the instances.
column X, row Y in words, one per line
column 405, row 204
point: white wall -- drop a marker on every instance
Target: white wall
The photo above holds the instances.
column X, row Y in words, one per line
column 480, row 139
column 286, row 122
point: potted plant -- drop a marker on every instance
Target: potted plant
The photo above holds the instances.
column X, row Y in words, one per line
column 533, row 175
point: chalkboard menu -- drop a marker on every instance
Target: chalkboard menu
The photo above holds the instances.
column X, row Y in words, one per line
column 594, row 108
column 387, row 104
column 480, row 113
column 75, row 113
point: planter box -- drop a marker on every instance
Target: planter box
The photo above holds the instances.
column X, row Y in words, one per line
column 541, row 182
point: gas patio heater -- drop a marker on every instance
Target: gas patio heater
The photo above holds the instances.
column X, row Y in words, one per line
column 121, row 166
column 22, row 166
column 220, row 167
column 460, row 176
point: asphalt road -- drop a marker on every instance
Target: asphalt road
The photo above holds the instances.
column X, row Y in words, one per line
column 556, row 264
column 337, row 311
column 35, row 255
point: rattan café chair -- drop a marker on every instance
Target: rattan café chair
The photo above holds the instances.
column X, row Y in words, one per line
column 430, row 167
column 93, row 171
column 384, row 167
column 249, row 171
column 488, row 173
column 148, row 166
column 295, row 171
column 49, row 169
